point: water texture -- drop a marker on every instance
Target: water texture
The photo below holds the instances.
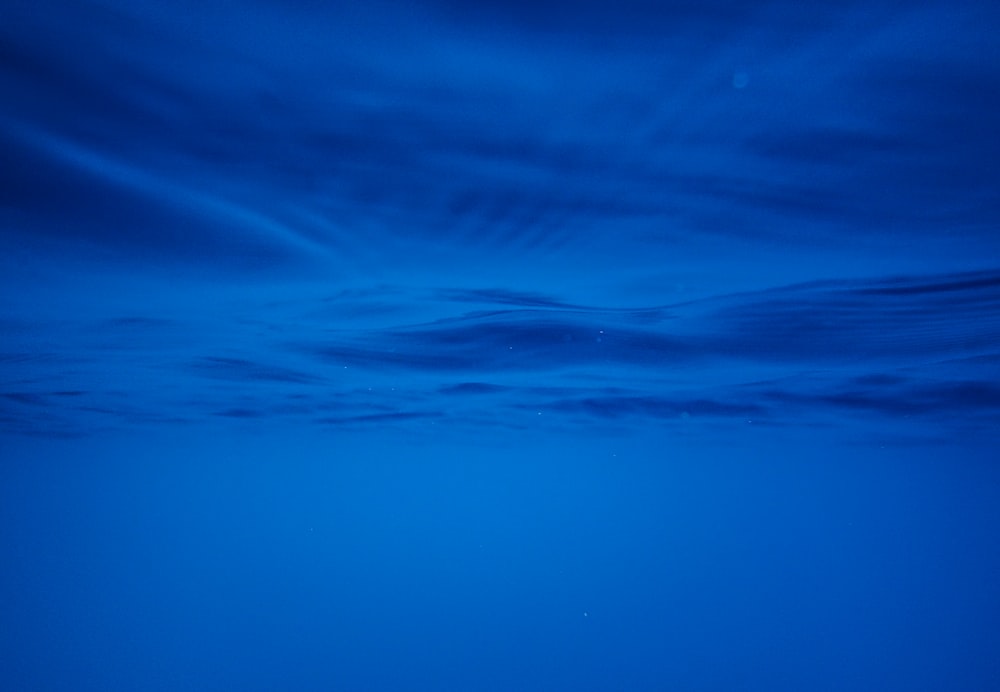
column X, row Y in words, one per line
column 499, row 346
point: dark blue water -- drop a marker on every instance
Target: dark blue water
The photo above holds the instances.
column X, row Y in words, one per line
column 499, row 346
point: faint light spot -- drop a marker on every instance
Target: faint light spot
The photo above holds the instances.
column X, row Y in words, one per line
column 740, row 79
column 586, row 614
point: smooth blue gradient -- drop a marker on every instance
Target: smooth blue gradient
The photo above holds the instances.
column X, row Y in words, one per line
column 499, row 346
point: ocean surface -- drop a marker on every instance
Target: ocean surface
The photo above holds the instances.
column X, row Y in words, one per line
column 499, row 346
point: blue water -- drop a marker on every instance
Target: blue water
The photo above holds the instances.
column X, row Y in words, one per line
column 499, row 346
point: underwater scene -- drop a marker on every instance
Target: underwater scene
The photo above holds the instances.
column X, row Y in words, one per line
column 500, row 346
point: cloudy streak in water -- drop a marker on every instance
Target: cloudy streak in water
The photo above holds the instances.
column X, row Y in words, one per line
column 896, row 348
column 586, row 212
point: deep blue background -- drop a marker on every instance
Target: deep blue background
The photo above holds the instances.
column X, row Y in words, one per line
column 499, row 346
